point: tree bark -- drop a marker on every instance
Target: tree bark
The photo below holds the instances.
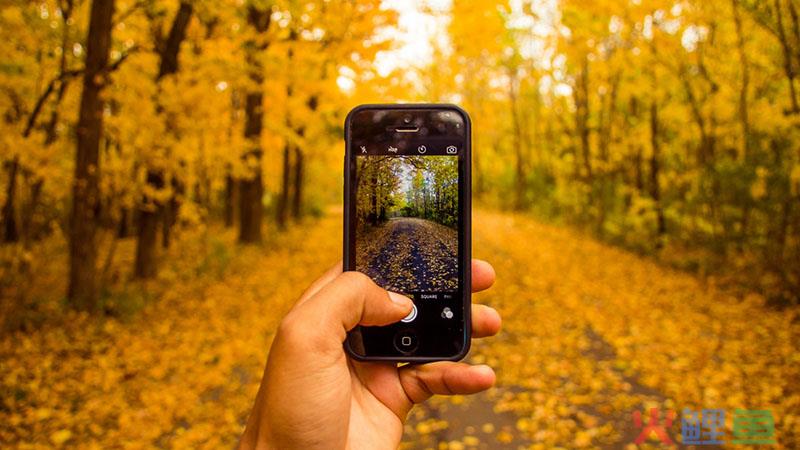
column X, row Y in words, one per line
column 82, row 291
column 151, row 210
column 10, row 228
column 282, row 212
column 519, row 152
column 297, row 184
column 177, row 33
column 299, row 165
column 251, row 189
column 655, row 167
column 169, row 66
column 145, row 265
column 788, row 66
column 231, row 188
column 125, row 223
column 744, row 120
column 30, row 231
column 582, row 116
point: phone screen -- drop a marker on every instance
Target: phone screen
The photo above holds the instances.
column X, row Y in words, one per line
column 406, row 225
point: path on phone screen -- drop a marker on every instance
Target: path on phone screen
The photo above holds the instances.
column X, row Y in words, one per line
column 591, row 333
column 409, row 254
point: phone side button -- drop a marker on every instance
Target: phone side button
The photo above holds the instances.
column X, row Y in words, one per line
column 406, row 341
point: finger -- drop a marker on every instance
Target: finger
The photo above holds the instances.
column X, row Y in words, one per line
column 444, row 378
column 486, row 321
column 320, row 282
column 351, row 299
column 482, row 275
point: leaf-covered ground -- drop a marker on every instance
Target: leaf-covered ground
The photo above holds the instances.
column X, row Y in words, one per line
column 409, row 254
column 590, row 334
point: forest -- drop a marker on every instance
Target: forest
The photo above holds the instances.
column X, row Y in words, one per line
column 407, row 186
column 667, row 127
column 407, row 215
column 171, row 180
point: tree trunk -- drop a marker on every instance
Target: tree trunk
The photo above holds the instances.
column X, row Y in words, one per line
column 582, row 116
column 177, row 33
column 125, row 223
column 29, row 228
column 171, row 208
column 169, row 66
column 82, row 291
column 282, row 211
column 519, row 152
column 166, row 222
column 251, row 189
column 10, row 228
column 299, row 165
column 788, row 67
column 231, row 189
column 297, row 185
column 373, row 198
column 655, row 187
column 151, row 210
column 146, row 265
column 744, row 121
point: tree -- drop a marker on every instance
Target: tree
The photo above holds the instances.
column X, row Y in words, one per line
column 151, row 209
column 86, row 190
column 251, row 187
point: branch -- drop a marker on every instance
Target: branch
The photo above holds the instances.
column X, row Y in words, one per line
column 127, row 13
column 63, row 78
column 116, row 64
column 37, row 109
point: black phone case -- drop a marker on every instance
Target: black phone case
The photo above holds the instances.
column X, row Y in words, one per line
column 467, row 218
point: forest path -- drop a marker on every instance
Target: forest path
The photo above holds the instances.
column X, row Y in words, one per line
column 413, row 254
column 591, row 333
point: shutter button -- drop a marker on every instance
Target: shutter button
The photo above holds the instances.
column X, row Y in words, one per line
column 411, row 316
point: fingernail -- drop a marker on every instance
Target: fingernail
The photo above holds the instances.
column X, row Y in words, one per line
column 399, row 299
column 484, row 369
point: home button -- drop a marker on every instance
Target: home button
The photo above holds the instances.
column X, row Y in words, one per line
column 406, row 341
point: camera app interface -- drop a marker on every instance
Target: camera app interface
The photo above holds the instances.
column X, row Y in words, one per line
column 406, row 230
column 407, row 240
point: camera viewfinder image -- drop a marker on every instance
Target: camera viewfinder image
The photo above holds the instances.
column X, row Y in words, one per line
column 407, row 221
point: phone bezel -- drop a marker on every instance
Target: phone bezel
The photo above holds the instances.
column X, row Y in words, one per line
column 465, row 217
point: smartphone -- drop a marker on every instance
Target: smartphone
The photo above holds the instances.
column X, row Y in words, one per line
column 407, row 197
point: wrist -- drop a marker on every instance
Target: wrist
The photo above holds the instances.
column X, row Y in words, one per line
column 255, row 437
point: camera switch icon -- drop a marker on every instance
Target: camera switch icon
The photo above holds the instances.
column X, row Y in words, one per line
column 452, row 150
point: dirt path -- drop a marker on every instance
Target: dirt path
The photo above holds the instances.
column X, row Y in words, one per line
column 591, row 333
column 411, row 254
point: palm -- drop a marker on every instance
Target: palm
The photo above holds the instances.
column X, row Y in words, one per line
column 314, row 396
column 373, row 422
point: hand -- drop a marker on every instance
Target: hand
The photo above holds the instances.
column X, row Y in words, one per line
column 314, row 396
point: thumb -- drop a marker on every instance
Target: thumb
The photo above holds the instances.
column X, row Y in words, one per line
column 351, row 299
